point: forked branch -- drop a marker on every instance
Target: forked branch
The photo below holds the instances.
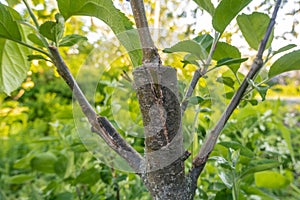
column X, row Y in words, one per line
column 100, row 125
column 201, row 158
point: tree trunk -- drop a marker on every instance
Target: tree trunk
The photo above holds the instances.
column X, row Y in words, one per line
column 158, row 98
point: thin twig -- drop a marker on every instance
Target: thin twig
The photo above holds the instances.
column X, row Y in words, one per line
column 100, row 125
column 198, row 74
column 150, row 54
column 36, row 23
column 201, row 158
column 31, row 47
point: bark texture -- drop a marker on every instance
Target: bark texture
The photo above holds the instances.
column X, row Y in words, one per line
column 158, row 97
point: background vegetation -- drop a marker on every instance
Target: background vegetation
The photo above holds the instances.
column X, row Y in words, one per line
column 43, row 157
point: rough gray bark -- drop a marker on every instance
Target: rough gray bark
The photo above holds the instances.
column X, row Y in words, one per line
column 157, row 92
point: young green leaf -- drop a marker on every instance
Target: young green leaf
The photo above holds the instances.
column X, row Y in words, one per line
column 227, row 81
column 222, row 162
column 288, row 62
column 253, row 28
column 35, row 39
column 189, row 46
column 224, row 51
column 190, row 59
column 228, row 95
column 261, row 89
column 204, row 40
column 116, row 20
column 253, row 102
column 226, row 12
column 206, row 5
column 9, row 28
column 195, row 100
column 53, row 30
column 285, row 48
column 230, row 61
column 70, row 40
column 49, row 30
column 226, row 178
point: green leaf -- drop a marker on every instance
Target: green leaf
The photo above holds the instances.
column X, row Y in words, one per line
column 222, row 162
column 70, row 40
column 60, row 21
column 270, row 179
column 23, row 163
column 225, row 51
column 254, row 27
column 227, row 81
column 61, row 165
column 35, row 39
column 226, row 179
column 189, row 46
column 230, row 61
column 9, row 28
column 288, row 62
column 13, row 65
column 226, row 11
column 285, row 48
column 195, row 100
column 90, row 176
column 244, row 151
column 49, row 30
column 116, row 20
column 253, row 102
column 261, row 89
column 228, row 95
column 204, row 40
column 19, row 179
column 259, row 165
column 206, row 5
column 44, row 162
column 36, row 57
column 286, row 134
column 190, row 59
column 53, row 30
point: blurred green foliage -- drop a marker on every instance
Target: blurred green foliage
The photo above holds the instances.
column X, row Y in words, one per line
column 43, row 157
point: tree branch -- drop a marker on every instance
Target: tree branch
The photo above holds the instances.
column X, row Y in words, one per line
column 198, row 74
column 100, row 125
column 150, row 54
column 201, row 158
